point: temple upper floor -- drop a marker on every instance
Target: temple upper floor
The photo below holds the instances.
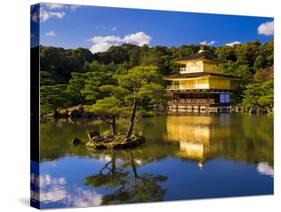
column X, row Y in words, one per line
column 200, row 65
column 200, row 62
column 201, row 71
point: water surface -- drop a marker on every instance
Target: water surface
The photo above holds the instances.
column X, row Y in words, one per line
column 184, row 157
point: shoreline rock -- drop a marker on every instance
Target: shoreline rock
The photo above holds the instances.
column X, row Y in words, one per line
column 76, row 141
column 78, row 111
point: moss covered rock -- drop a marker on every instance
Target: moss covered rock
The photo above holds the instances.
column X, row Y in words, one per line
column 115, row 142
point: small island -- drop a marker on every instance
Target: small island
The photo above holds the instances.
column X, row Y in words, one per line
column 113, row 141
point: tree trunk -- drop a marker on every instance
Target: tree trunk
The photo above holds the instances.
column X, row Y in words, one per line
column 113, row 125
column 113, row 167
column 134, row 168
column 132, row 119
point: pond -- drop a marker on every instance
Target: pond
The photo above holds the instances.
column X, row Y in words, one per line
column 184, row 157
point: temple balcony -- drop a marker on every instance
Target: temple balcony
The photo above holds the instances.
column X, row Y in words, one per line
column 190, row 70
column 188, row 86
column 210, row 103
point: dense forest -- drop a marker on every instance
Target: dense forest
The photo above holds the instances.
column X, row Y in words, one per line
column 71, row 77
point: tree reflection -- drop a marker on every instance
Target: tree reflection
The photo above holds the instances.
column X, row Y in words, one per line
column 56, row 137
column 126, row 183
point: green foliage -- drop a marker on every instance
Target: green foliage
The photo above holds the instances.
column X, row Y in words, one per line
column 251, row 61
column 109, row 106
column 251, row 96
column 141, row 80
column 158, row 56
column 182, row 51
column 141, row 83
column 244, row 72
column 46, row 78
column 266, row 99
column 115, row 91
column 74, row 87
column 266, row 50
column 259, row 95
column 106, row 133
column 60, row 62
column 247, row 53
column 226, row 53
column 93, row 81
column 53, row 97
column 260, row 62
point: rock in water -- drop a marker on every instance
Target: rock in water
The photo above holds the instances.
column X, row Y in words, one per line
column 93, row 134
column 75, row 113
column 76, row 141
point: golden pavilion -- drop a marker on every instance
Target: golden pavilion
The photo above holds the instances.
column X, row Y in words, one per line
column 201, row 85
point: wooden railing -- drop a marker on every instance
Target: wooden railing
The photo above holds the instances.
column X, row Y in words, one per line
column 192, row 102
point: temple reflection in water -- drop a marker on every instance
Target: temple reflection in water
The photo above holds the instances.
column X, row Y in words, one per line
column 199, row 137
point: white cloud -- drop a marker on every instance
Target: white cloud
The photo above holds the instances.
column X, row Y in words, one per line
column 103, row 43
column 139, row 38
column 84, row 198
column 100, row 47
column 265, row 169
column 43, row 15
column 57, row 190
column 56, row 14
column 53, row 6
column 51, row 10
column 106, row 39
column 50, row 34
column 74, row 7
column 233, row 43
column 114, row 28
column 36, row 16
column 208, row 43
column 266, row 28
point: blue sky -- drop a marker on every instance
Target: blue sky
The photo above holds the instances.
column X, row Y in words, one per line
column 97, row 28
